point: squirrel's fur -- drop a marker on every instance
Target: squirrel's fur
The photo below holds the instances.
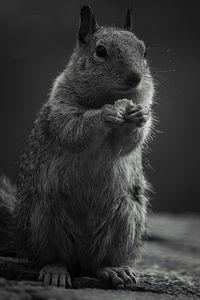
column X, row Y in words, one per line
column 81, row 190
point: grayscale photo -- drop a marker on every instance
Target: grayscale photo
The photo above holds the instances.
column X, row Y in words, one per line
column 100, row 150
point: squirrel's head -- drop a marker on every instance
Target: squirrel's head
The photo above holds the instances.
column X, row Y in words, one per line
column 110, row 63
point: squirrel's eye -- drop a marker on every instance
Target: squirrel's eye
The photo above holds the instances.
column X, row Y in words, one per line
column 101, row 51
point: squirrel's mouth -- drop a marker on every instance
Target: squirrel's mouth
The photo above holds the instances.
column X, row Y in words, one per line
column 123, row 89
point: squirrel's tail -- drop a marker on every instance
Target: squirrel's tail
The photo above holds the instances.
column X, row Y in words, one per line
column 7, row 220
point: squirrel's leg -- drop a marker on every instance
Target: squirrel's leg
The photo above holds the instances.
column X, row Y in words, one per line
column 125, row 231
column 50, row 241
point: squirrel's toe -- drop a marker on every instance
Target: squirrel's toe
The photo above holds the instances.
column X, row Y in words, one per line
column 118, row 277
column 56, row 275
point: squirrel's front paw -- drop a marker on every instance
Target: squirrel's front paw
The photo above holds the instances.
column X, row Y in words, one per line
column 112, row 116
column 137, row 115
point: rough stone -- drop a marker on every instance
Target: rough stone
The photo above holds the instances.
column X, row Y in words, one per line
column 169, row 269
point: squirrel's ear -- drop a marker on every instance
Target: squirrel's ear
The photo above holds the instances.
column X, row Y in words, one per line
column 88, row 24
column 129, row 20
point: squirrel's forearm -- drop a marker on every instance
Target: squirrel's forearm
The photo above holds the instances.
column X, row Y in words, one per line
column 87, row 131
column 79, row 131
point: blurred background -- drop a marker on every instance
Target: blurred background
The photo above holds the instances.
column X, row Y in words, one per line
column 36, row 40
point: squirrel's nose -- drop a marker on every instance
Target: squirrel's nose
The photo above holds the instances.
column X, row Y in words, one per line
column 133, row 79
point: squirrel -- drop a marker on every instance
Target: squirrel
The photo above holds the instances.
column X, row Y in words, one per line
column 81, row 199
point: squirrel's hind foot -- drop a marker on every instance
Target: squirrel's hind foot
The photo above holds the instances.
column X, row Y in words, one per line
column 118, row 277
column 56, row 275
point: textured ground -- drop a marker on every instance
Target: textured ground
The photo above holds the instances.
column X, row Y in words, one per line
column 170, row 269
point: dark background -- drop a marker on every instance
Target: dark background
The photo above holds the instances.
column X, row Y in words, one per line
column 36, row 39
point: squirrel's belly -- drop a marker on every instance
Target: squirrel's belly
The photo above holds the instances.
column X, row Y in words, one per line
column 85, row 179
column 94, row 181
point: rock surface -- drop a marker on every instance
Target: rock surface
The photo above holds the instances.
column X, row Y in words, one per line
column 169, row 269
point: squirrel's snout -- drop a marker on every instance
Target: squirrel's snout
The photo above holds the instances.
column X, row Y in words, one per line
column 133, row 79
